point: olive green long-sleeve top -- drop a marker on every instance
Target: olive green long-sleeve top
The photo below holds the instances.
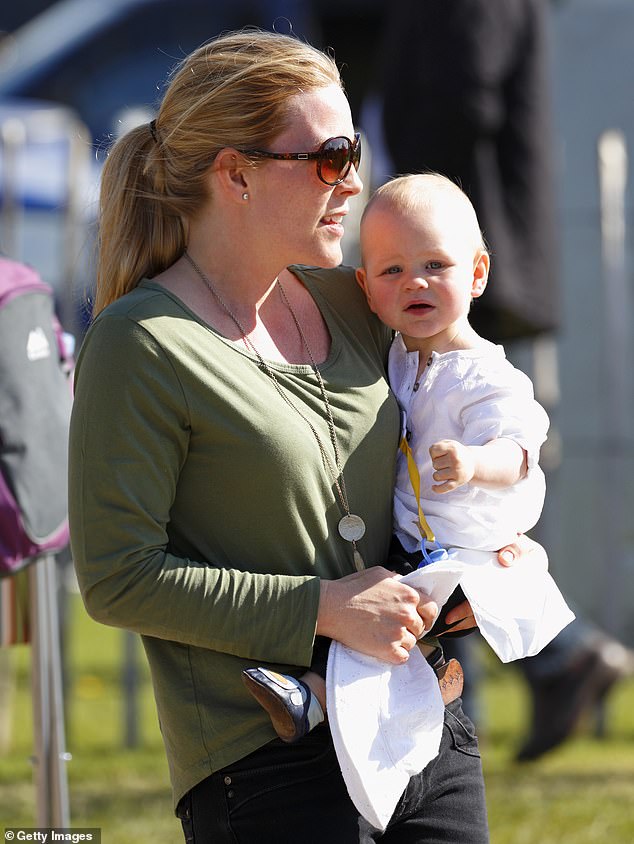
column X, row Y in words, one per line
column 202, row 516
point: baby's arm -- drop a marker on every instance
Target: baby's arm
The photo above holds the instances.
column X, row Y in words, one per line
column 498, row 464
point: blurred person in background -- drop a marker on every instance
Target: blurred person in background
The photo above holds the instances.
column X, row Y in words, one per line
column 465, row 93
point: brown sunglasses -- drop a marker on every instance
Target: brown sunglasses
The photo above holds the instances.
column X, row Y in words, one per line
column 334, row 157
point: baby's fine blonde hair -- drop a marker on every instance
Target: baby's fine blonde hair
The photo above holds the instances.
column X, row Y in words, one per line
column 411, row 192
column 233, row 91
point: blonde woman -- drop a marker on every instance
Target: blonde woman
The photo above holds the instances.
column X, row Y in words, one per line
column 233, row 443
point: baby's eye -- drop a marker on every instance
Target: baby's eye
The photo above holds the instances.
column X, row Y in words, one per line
column 434, row 265
column 392, row 270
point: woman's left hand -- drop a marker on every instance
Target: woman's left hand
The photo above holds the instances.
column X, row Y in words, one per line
column 507, row 556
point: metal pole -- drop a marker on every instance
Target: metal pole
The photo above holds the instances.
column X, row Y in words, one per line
column 12, row 138
column 612, row 158
column 60, row 813
column 616, row 375
column 52, row 807
column 130, row 678
column 40, row 690
column 74, row 263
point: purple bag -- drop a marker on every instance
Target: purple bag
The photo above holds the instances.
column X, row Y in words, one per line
column 35, row 404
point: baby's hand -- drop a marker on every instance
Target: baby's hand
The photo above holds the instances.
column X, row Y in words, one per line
column 454, row 465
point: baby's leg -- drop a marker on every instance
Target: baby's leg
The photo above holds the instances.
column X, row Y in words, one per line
column 317, row 685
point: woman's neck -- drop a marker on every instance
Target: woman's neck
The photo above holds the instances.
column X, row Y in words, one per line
column 266, row 322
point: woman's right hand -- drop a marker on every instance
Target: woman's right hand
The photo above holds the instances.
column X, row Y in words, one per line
column 375, row 613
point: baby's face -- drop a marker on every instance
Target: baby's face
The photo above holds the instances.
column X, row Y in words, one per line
column 421, row 269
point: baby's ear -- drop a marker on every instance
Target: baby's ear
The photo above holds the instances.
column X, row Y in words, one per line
column 361, row 279
column 480, row 275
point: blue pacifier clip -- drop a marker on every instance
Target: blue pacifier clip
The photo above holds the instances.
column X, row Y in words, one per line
column 434, row 555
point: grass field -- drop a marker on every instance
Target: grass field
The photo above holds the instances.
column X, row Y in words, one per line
column 580, row 794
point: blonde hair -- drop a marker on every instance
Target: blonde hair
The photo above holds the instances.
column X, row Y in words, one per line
column 408, row 193
column 232, row 91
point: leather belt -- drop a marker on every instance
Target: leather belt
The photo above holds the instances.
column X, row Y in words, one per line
column 450, row 680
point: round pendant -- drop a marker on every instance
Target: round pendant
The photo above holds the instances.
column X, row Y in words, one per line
column 352, row 527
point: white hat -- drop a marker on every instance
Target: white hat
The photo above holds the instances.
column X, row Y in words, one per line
column 386, row 723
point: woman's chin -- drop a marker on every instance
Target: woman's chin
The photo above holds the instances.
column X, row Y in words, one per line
column 331, row 255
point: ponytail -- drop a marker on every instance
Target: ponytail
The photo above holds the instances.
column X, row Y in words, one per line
column 141, row 233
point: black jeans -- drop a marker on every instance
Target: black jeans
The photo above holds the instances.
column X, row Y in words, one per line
column 295, row 793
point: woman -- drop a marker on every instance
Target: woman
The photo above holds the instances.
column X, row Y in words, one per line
column 233, row 443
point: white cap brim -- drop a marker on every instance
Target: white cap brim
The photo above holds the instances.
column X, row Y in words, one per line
column 386, row 722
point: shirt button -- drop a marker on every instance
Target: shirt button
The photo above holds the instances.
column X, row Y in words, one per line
column 227, row 780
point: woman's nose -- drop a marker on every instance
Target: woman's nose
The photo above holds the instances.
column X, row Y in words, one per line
column 352, row 184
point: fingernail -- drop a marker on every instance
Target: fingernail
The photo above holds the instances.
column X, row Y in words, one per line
column 508, row 556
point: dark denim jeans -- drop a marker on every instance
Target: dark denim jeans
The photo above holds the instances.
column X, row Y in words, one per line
column 295, row 793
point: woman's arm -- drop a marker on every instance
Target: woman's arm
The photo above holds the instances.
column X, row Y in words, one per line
column 130, row 439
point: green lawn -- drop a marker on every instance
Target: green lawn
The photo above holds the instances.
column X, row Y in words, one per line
column 580, row 794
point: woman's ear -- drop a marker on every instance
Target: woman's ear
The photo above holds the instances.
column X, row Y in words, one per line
column 231, row 174
column 480, row 274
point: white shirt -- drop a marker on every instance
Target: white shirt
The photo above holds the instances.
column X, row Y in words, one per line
column 472, row 396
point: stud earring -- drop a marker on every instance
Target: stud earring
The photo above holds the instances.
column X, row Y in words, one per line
column 245, row 196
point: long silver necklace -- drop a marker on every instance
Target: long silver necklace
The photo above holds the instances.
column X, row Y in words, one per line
column 351, row 527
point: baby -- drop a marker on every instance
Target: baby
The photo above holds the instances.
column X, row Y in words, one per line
column 467, row 474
